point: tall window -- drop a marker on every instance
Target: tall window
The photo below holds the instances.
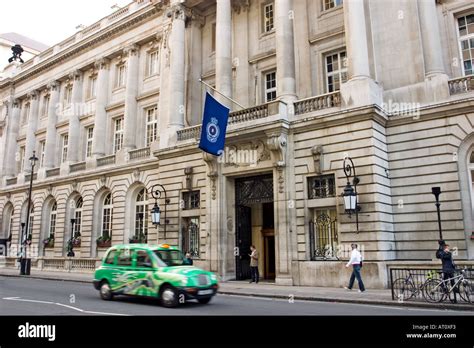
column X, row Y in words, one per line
column 26, row 113
column 31, row 221
column 89, row 138
column 118, row 134
column 68, row 95
column 21, row 158
column 120, row 78
column 52, row 219
column 151, row 125
column 466, row 42
column 336, row 71
column 107, row 214
column 42, row 149
column 141, row 216
column 64, row 147
column 213, row 37
column 190, row 236
column 92, row 91
column 270, row 86
column 78, row 217
column 268, row 18
column 45, row 108
column 153, row 63
column 329, row 4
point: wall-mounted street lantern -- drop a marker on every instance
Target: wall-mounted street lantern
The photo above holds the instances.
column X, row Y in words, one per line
column 157, row 191
column 351, row 204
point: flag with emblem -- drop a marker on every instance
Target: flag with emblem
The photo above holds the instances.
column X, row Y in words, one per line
column 214, row 126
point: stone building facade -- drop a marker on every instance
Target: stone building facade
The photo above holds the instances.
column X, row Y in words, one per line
column 117, row 108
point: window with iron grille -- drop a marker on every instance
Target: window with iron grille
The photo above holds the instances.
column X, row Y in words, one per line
column 190, row 236
column 191, row 200
column 321, row 187
column 323, row 236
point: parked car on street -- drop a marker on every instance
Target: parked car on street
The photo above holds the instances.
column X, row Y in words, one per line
column 158, row 271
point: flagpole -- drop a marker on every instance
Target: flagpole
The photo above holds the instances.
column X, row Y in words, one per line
column 215, row 90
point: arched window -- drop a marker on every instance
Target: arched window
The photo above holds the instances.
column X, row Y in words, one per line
column 141, row 216
column 52, row 220
column 7, row 220
column 107, row 214
column 78, row 217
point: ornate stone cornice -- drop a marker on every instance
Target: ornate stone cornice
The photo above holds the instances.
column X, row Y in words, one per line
column 93, row 40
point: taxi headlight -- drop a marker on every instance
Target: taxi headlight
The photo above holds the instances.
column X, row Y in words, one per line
column 213, row 277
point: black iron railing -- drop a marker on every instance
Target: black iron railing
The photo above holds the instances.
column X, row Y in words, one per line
column 418, row 276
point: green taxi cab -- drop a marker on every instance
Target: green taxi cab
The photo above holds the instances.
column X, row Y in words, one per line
column 158, row 271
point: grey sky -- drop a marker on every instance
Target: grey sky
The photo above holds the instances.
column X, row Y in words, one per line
column 51, row 21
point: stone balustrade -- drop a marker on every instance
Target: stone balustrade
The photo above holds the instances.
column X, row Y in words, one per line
column 319, row 102
column 105, row 161
column 140, row 153
column 461, row 85
column 11, row 181
column 77, row 167
column 52, row 172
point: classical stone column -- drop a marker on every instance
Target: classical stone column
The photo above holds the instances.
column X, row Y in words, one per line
column 131, row 92
column 31, row 130
column 285, row 50
column 177, row 62
column 100, row 125
column 74, row 124
column 361, row 89
column 356, row 39
column 430, row 36
column 13, row 129
column 224, row 50
column 50, row 145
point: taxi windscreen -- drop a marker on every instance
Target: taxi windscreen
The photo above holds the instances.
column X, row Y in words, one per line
column 170, row 257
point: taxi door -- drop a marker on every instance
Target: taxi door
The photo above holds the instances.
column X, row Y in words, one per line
column 124, row 272
column 145, row 285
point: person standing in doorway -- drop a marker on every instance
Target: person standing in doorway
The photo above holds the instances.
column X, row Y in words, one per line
column 254, row 264
column 356, row 262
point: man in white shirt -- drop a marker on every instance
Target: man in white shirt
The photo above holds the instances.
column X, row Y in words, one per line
column 356, row 263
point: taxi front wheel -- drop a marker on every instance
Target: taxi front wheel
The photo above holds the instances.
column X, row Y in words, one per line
column 169, row 296
column 105, row 291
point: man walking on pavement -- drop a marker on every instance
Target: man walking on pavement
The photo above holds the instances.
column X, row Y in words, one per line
column 254, row 264
column 356, row 262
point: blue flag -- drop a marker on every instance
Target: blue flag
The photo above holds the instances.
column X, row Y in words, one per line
column 214, row 126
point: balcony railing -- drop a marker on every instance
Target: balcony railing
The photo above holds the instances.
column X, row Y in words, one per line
column 193, row 132
column 461, row 85
column 52, row 172
column 11, row 181
column 28, row 177
column 140, row 153
column 250, row 114
column 77, row 167
column 105, row 161
column 319, row 102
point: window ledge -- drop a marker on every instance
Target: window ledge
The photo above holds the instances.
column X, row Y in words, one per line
column 151, row 77
column 118, row 89
column 266, row 34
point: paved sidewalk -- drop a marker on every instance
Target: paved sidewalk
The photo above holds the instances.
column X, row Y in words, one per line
column 269, row 290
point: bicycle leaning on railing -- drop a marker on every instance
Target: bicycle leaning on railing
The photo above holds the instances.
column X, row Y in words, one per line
column 407, row 288
column 437, row 290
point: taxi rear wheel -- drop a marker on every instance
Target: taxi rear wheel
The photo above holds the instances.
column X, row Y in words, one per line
column 169, row 296
column 105, row 291
column 204, row 300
